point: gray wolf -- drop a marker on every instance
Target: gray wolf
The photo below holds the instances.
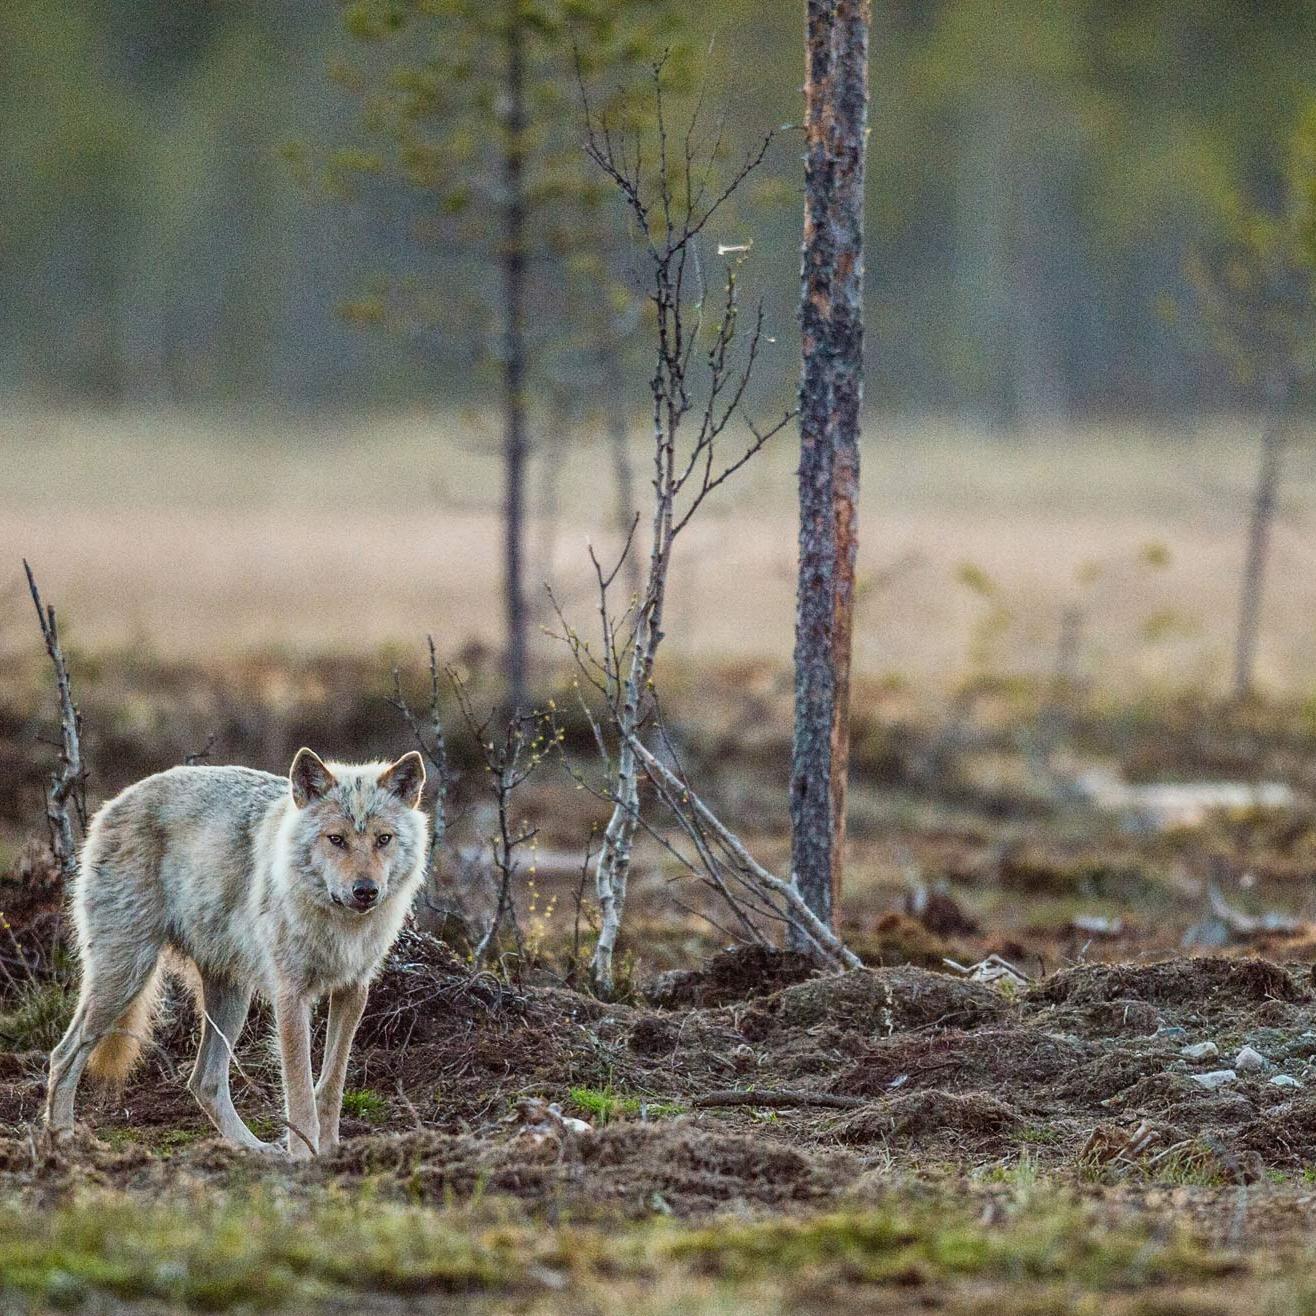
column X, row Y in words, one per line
column 292, row 886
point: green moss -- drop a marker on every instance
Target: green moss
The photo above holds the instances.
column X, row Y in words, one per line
column 1038, row 1135
column 257, row 1251
column 1052, row 1239
column 365, row 1104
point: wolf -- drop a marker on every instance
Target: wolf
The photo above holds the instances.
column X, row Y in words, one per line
column 244, row 881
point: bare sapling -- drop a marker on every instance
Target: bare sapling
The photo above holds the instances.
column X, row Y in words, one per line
column 510, row 759
column 66, row 800
column 703, row 360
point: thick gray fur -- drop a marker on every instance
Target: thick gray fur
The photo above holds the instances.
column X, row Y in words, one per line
column 247, row 882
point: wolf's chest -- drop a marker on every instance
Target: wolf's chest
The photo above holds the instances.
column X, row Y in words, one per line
column 339, row 952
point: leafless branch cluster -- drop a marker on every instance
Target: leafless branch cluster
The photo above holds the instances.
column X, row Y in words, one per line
column 703, row 363
column 726, row 864
column 510, row 759
column 427, row 731
column 66, row 801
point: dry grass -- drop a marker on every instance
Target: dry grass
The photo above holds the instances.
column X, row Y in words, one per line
column 212, row 536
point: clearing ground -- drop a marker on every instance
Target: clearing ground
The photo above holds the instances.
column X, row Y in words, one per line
column 759, row 1137
column 905, row 1139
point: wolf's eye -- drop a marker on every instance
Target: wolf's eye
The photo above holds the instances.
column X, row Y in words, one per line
column 383, row 839
column 336, row 838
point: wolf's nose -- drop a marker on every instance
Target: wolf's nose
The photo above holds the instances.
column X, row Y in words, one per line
column 364, row 892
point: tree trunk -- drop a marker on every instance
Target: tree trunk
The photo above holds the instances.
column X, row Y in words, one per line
column 831, row 396
column 1258, row 535
column 514, row 362
column 551, row 450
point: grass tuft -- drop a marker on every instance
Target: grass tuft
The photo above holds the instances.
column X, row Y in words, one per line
column 38, row 1017
column 604, row 1106
column 365, row 1104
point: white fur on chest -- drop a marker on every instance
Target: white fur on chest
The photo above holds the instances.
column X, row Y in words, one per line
column 324, row 949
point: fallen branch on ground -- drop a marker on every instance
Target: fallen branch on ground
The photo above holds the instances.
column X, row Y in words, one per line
column 777, row 1097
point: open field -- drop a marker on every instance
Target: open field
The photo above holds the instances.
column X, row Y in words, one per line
column 183, row 538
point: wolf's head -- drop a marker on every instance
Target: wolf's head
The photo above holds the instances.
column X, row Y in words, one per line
column 359, row 833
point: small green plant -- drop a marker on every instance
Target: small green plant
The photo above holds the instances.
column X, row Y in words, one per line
column 605, row 1106
column 365, row 1104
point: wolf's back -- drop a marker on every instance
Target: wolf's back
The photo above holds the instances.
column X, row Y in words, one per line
column 159, row 858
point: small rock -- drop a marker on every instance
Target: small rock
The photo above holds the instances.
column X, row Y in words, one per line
column 1200, row 1051
column 1249, row 1061
column 1285, row 1081
column 1172, row 1032
column 1217, row 1078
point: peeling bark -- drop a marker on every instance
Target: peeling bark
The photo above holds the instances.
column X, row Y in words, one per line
column 831, row 398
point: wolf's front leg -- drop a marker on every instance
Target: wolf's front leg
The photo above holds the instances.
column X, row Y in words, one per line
column 292, row 1018
column 345, row 1008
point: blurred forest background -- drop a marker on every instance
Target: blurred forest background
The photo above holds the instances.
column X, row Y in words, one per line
column 1037, row 172
column 207, row 369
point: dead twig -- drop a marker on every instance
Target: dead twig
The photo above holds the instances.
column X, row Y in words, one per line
column 66, row 803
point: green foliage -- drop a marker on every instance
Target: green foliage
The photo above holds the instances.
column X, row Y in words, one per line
column 1051, row 1237
column 604, row 1106
column 256, row 1251
column 453, row 97
column 365, row 1104
column 1256, row 283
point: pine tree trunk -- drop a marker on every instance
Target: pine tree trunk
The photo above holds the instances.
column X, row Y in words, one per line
column 1258, row 536
column 831, row 397
column 514, row 363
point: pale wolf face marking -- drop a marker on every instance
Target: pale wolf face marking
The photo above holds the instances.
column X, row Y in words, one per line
column 356, row 829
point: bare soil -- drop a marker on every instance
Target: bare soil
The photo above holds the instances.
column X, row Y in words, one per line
column 938, row 1068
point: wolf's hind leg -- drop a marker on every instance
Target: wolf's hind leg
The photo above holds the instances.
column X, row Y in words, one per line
column 113, row 978
column 225, row 1006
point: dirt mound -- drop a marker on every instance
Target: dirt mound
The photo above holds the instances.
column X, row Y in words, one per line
column 963, row 1118
column 633, row 1167
column 1203, row 985
column 867, row 1002
column 1105, row 1079
column 424, row 991
column 1157, row 1093
column 738, row 973
column 1284, row 1134
column 1014, row 1059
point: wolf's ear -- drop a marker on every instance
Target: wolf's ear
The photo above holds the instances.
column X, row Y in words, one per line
column 405, row 779
column 310, row 778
